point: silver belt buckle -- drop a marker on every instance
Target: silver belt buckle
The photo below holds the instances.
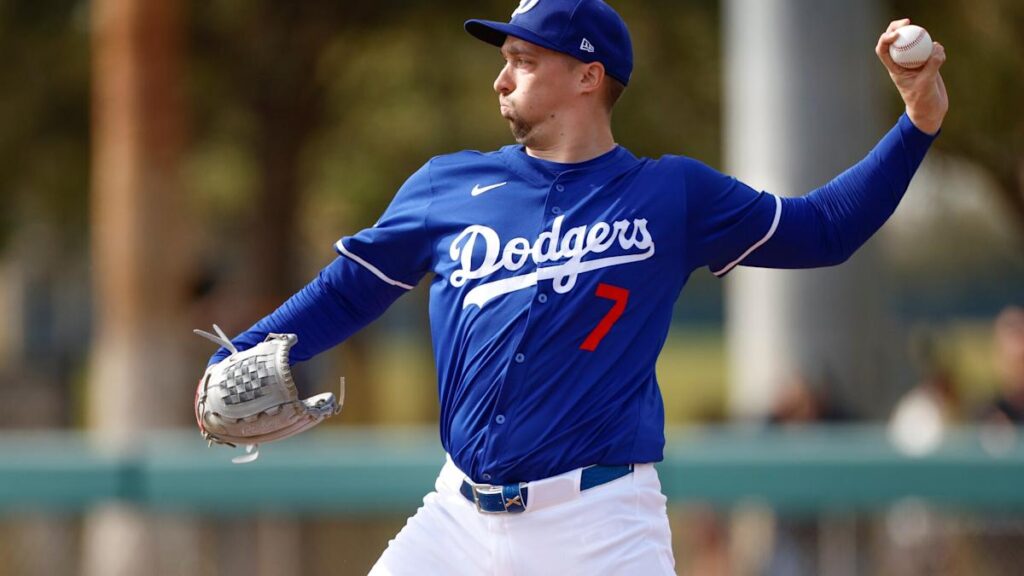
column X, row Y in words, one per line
column 485, row 489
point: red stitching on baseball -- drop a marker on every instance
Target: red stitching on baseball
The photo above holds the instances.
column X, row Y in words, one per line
column 914, row 42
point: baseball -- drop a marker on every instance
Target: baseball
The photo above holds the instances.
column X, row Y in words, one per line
column 912, row 48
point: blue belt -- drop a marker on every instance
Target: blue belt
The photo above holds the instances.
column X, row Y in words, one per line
column 513, row 498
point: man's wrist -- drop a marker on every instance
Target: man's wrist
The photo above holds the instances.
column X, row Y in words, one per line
column 912, row 136
column 924, row 123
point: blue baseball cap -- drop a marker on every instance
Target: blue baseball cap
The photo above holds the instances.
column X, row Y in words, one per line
column 588, row 30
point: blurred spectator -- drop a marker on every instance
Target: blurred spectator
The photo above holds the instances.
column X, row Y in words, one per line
column 923, row 415
column 918, row 541
column 1003, row 532
column 803, row 401
column 702, row 541
column 1008, row 404
column 796, row 541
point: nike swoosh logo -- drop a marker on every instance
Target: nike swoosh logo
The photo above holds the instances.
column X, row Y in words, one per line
column 478, row 190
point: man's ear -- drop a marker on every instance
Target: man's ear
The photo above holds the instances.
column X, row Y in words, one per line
column 591, row 77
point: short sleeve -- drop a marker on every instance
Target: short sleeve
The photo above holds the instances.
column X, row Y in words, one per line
column 397, row 248
column 726, row 219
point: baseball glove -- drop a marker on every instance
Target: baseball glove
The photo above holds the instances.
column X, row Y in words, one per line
column 250, row 398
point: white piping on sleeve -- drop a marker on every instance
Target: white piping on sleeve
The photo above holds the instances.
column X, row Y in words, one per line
column 376, row 272
column 771, row 232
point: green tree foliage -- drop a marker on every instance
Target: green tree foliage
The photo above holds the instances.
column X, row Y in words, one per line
column 330, row 104
column 44, row 116
column 379, row 89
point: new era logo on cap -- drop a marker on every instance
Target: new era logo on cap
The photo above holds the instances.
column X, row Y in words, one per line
column 524, row 6
column 573, row 27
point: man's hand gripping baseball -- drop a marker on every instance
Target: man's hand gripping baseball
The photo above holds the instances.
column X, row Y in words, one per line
column 922, row 89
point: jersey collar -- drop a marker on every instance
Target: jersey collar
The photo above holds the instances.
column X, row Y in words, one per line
column 544, row 172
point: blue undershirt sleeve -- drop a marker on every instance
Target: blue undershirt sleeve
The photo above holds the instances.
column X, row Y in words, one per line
column 822, row 228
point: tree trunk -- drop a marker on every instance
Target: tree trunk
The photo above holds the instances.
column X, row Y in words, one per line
column 138, row 378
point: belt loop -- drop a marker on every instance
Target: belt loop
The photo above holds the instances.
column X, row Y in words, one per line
column 513, row 496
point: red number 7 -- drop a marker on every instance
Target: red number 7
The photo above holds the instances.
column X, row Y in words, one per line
column 620, row 296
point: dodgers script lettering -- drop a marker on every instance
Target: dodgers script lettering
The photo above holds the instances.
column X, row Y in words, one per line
column 570, row 250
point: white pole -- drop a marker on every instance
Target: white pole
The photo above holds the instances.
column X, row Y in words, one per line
column 800, row 107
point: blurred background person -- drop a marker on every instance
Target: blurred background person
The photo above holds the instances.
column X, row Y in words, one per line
column 923, row 414
column 802, row 401
column 806, row 400
column 1007, row 405
column 919, row 540
column 1000, row 534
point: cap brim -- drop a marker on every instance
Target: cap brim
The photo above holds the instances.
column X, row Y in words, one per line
column 496, row 32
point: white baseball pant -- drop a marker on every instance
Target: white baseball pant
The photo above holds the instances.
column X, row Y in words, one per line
column 617, row 528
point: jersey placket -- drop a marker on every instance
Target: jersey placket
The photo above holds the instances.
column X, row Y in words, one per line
column 557, row 203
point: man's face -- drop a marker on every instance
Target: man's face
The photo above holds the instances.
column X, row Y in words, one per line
column 533, row 87
column 1010, row 353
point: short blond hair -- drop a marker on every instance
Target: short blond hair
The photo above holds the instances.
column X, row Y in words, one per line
column 612, row 92
column 613, row 89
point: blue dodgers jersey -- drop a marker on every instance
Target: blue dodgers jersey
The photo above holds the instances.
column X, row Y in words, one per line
column 552, row 296
column 554, row 286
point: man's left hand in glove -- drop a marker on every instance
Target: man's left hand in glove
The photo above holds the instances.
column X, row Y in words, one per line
column 250, row 397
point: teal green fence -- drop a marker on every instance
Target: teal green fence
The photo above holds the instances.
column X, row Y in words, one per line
column 341, row 471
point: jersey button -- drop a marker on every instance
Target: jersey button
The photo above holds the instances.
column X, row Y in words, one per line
column 485, row 476
column 520, row 358
column 560, row 188
column 500, row 418
column 556, row 210
column 542, row 298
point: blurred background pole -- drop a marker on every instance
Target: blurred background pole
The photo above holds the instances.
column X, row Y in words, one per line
column 799, row 109
column 137, row 380
column 801, row 78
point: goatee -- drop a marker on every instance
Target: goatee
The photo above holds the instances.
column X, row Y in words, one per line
column 520, row 129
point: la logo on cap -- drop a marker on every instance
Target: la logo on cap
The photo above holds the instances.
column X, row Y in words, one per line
column 524, row 7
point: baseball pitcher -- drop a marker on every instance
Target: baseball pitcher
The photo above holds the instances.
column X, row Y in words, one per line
column 556, row 264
